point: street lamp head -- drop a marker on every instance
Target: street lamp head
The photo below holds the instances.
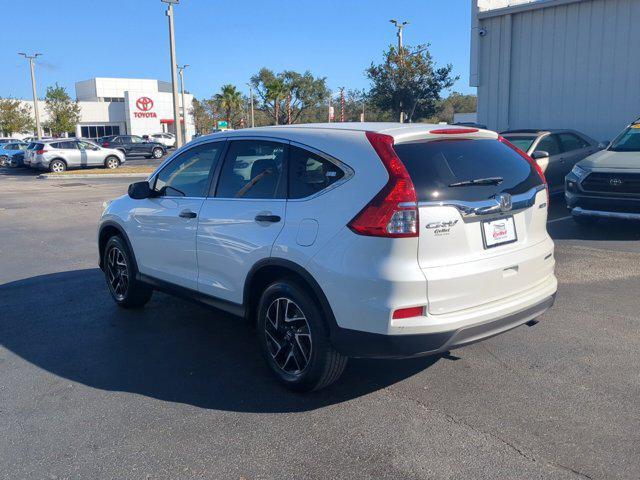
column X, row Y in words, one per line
column 172, row 2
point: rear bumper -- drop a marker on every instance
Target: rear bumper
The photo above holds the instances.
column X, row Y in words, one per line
column 355, row 343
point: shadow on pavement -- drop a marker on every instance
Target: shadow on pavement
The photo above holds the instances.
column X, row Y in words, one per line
column 173, row 350
column 602, row 230
column 19, row 172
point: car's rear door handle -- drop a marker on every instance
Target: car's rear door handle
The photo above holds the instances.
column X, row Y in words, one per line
column 268, row 218
column 188, row 214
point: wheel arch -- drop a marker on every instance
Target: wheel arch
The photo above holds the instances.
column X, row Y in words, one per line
column 268, row 270
column 107, row 230
column 61, row 159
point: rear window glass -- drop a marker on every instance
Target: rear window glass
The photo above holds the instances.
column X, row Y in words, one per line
column 436, row 166
column 37, row 146
column 523, row 143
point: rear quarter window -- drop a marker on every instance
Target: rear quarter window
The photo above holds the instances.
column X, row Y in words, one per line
column 434, row 166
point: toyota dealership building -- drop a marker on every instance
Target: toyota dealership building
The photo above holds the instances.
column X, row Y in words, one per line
column 126, row 106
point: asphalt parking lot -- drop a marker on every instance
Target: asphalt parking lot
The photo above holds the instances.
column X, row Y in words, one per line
column 179, row 391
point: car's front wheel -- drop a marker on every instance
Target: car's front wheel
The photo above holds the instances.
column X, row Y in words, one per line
column 294, row 338
column 157, row 152
column 119, row 272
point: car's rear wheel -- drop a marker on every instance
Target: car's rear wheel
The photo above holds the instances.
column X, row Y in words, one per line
column 294, row 338
column 157, row 152
column 4, row 160
column 119, row 271
column 112, row 163
column 57, row 166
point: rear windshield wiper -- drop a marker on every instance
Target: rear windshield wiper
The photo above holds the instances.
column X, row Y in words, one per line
column 479, row 181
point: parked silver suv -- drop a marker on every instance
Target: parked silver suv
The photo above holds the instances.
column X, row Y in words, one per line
column 61, row 153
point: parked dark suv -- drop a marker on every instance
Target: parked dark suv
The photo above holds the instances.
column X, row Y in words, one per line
column 134, row 145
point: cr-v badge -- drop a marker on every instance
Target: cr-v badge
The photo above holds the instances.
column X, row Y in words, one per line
column 441, row 228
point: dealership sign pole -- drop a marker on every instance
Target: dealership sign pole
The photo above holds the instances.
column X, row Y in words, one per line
column 174, row 74
column 36, row 112
column 184, row 105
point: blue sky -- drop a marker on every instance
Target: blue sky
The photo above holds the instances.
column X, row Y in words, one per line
column 224, row 42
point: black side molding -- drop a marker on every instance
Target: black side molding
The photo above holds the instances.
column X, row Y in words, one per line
column 188, row 294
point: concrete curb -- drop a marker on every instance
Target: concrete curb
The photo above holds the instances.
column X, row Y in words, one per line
column 50, row 176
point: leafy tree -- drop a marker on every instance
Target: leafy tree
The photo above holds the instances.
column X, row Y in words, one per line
column 408, row 82
column 230, row 101
column 456, row 103
column 64, row 113
column 15, row 117
column 202, row 118
column 277, row 94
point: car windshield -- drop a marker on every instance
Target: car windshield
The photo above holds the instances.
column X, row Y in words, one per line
column 627, row 141
column 522, row 142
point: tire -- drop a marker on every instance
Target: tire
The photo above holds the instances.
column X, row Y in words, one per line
column 157, row 153
column 4, row 161
column 584, row 221
column 112, row 163
column 57, row 166
column 119, row 272
column 297, row 350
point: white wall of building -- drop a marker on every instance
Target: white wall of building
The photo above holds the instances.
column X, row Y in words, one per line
column 558, row 64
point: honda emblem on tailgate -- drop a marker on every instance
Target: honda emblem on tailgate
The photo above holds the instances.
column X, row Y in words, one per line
column 505, row 202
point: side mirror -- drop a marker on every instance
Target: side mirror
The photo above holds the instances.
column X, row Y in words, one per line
column 140, row 190
column 540, row 154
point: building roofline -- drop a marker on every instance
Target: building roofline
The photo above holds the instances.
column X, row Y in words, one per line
column 525, row 7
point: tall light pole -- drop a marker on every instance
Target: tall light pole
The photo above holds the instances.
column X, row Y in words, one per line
column 400, row 26
column 184, row 105
column 174, row 73
column 36, row 112
column 253, row 123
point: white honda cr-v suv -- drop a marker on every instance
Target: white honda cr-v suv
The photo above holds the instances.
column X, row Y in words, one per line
column 341, row 240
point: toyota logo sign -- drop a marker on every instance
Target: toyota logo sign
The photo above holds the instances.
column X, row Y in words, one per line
column 144, row 104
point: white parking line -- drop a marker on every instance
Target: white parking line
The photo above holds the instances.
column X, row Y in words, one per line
column 559, row 219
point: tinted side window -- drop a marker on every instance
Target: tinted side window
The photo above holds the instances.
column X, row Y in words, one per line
column 64, row 145
column 187, row 175
column 438, row 167
column 310, row 173
column 549, row 144
column 252, row 169
column 572, row 142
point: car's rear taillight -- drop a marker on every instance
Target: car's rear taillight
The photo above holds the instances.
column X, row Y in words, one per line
column 105, row 144
column 524, row 155
column 393, row 212
column 40, row 152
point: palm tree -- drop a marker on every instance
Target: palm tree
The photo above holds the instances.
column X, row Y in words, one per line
column 230, row 100
column 276, row 90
